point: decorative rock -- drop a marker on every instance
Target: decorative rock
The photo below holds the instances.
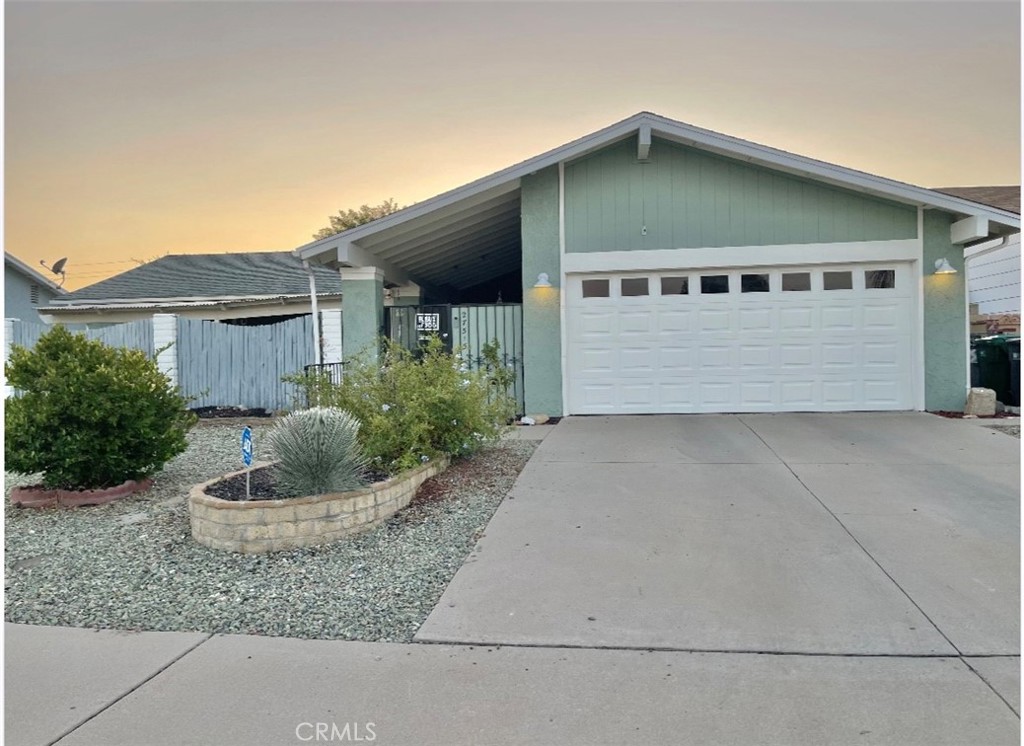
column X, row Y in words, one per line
column 539, row 419
column 981, row 402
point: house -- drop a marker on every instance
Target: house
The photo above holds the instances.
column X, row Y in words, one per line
column 667, row 268
column 26, row 290
column 248, row 288
column 993, row 267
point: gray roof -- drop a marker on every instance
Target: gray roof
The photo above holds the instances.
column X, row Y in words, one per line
column 211, row 276
column 1003, row 197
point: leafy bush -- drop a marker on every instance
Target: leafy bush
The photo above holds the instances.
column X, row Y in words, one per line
column 89, row 415
column 318, row 451
column 414, row 408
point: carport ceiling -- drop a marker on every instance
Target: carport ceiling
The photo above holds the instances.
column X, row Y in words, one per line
column 460, row 247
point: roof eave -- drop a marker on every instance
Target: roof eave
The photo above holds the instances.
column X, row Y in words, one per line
column 139, row 303
column 686, row 134
column 34, row 274
column 571, row 150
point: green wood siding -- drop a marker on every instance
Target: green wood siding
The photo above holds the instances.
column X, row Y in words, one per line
column 688, row 198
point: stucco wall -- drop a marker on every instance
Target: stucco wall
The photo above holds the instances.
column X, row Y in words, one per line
column 363, row 316
column 945, row 318
column 542, row 341
column 18, row 299
column 688, row 198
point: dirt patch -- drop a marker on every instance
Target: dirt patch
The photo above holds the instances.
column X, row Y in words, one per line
column 216, row 413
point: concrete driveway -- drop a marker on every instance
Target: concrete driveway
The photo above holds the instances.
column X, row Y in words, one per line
column 834, row 534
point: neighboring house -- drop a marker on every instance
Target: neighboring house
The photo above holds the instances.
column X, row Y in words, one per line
column 26, row 290
column 993, row 267
column 667, row 268
column 247, row 288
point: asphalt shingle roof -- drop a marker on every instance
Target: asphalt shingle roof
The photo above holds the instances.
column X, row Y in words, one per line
column 1003, row 197
column 269, row 273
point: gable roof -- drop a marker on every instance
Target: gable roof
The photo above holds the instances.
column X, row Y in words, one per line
column 205, row 277
column 648, row 123
column 10, row 260
column 1003, row 197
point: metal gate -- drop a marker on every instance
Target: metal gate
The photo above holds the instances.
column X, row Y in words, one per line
column 466, row 329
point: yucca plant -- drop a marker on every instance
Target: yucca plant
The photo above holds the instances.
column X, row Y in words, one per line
column 318, row 452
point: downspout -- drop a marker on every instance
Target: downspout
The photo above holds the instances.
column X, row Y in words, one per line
column 318, row 353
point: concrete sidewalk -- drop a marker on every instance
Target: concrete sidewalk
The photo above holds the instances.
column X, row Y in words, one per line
column 163, row 688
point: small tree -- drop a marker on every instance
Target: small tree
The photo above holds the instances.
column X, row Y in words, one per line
column 346, row 219
column 89, row 415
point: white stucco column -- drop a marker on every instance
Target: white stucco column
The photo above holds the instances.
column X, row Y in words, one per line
column 330, row 330
column 8, row 340
column 165, row 335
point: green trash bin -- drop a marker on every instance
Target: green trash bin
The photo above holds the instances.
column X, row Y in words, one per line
column 993, row 355
column 1014, row 347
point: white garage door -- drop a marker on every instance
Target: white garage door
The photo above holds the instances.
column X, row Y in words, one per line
column 818, row 338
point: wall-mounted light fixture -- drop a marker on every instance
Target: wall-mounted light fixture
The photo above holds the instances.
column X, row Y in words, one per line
column 943, row 267
column 542, row 281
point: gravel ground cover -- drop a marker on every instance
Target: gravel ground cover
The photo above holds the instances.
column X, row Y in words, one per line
column 133, row 565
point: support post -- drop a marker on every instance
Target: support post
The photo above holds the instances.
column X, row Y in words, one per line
column 165, row 335
column 8, row 341
column 317, row 349
column 362, row 319
column 331, row 334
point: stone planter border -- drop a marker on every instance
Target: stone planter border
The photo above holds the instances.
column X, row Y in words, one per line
column 258, row 526
column 39, row 497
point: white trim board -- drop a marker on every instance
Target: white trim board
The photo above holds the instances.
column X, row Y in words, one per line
column 563, row 333
column 919, row 268
column 743, row 256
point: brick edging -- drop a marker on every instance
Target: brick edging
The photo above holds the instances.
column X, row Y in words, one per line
column 258, row 526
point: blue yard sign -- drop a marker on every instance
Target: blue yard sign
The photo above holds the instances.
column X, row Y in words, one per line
column 247, row 446
column 247, row 457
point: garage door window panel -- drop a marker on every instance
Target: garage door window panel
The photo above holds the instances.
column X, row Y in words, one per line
column 714, row 284
column 755, row 283
column 595, row 288
column 634, row 287
column 838, row 280
column 675, row 285
column 796, row 282
column 880, row 279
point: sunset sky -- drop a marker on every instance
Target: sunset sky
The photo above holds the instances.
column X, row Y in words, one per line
column 137, row 129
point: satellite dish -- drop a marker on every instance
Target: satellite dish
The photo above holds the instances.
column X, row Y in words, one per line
column 58, row 266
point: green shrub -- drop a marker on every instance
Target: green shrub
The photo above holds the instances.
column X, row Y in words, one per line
column 89, row 415
column 318, row 451
column 414, row 408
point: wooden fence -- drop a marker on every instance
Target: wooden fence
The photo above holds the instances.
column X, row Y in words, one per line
column 242, row 366
column 137, row 335
column 218, row 364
